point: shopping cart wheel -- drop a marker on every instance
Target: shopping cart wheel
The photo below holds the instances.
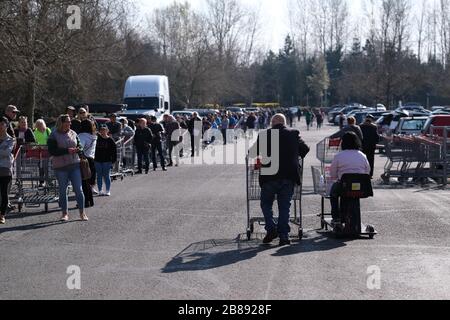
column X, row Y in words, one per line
column 322, row 225
column 252, row 228
column 300, row 234
column 20, row 207
column 46, row 208
column 249, row 235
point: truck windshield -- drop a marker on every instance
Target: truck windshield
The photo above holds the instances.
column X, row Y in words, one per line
column 142, row 103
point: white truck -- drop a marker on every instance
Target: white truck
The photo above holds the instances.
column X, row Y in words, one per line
column 146, row 96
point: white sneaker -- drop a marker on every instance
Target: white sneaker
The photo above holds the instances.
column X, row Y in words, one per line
column 108, row 193
column 101, row 193
column 94, row 191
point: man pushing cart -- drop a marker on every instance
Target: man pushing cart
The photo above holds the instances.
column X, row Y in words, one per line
column 279, row 154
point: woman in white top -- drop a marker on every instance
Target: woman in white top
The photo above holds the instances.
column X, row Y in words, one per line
column 349, row 160
column 88, row 140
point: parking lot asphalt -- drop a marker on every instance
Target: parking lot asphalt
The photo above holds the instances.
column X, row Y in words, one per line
column 181, row 235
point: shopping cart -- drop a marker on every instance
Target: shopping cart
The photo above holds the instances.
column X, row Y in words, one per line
column 116, row 171
column 253, row 172
column 128, row 157
column 327, row 149
column 36, row 183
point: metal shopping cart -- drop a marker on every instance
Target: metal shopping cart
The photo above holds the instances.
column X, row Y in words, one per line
column 36, row 182
column 253, row 171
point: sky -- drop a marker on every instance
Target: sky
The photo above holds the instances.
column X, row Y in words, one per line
column 273, row 14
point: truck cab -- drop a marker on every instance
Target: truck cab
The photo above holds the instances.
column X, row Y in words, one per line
column 146, row 96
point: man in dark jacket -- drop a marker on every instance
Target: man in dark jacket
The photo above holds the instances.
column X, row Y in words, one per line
column 157, row 132
column 195, row 130
column 279, row 174
column 351, row 127
column 11, row 114
column 142, row 140
column 370, row 140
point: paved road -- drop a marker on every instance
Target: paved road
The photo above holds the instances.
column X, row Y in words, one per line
column 180, row 235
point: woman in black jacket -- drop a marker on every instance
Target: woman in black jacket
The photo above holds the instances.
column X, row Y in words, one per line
column 105, row 156
column 24, row 134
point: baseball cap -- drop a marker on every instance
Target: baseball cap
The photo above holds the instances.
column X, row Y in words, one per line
column 12, row 108
column 71, row 108
column 371, row 117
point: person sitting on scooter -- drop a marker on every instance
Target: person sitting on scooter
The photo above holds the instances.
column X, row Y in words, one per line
column 350, row 160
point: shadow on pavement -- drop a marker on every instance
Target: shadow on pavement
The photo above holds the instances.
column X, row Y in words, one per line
column 34, row 226
column 213, row 254
column 323, row 241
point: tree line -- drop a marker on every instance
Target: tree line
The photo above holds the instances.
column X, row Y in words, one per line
column 394, row 51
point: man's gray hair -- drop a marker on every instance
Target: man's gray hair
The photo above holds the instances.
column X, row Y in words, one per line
column 279, row 118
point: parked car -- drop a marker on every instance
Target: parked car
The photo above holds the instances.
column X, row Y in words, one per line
column 411, row 126
column 334, row 115
column 237, row 110
column 186, row 114
column 441, row 111
column 437, row 121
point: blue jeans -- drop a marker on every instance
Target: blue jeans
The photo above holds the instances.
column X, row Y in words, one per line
column 74, row 176
column 103, row 173
column 284, row 190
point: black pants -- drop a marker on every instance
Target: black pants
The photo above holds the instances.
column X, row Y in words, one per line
column 335, row 193
column 157, row 146
column 143, row 154
column 224, row 135
column 195, row 146
column 4, row 186
column 370, row 154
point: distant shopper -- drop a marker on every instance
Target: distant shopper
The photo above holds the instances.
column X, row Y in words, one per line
column 41, row 132
column 114, row 127
column 142, row 141
column 64, row 147
column 224, row 126
column 309, row 118
column 127, row 132
column 105, row 157
column 11, row 115
column 157, row 132
column 6, row 163
column 173, row 138
column 23, row 133
column 195, row 131
column 75, row 123
column 319, row 118
column 370, row 140
column 88, row 141
column 341, row 120
column 351, row 127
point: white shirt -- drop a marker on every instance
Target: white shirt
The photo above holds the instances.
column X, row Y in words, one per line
column 349, row 161
column 89, row 143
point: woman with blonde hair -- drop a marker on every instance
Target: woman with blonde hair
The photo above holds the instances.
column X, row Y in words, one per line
column 41, row 132
column 64, row 147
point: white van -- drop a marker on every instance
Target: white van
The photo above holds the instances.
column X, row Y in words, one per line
column 146, row 96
